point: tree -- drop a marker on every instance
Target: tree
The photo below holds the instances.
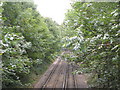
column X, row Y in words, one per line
column 96, row 41
column 27, row 42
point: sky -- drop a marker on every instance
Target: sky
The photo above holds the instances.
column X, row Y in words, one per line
column 54, row 9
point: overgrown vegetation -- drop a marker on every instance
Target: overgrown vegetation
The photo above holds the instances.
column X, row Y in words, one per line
column 29, row 42
column 93, row 34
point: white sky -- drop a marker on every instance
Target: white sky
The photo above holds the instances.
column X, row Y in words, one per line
column 54, row 9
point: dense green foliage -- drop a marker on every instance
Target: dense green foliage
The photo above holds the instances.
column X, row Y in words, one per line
column 28, row 41
column 0, row 46
column 90, row 31
column 93, row 35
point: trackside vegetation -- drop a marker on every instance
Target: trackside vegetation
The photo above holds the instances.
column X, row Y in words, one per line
column 29, row 42
column 93, row 35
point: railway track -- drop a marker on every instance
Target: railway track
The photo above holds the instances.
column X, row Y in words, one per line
column 59, row 75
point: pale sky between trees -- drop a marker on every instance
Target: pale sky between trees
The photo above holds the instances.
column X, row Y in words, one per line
column 54, row 9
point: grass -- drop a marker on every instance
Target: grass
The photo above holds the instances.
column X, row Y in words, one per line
column 30, row 80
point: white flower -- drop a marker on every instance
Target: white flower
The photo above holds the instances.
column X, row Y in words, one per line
column 11, row 38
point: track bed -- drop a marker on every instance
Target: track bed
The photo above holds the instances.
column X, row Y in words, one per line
column 59, row 75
